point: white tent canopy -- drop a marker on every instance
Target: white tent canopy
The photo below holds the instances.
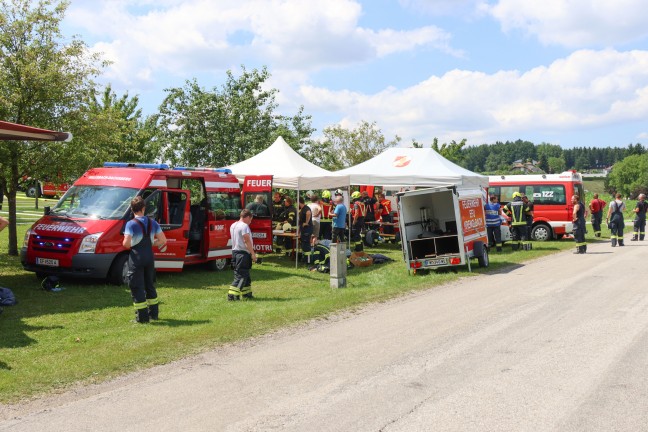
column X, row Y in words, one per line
column 288, row 168
column 399, row 166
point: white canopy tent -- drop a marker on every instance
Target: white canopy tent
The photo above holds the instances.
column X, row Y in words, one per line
column 288, row 168
column 399, row 166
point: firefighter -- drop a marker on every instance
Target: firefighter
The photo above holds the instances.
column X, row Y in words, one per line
column 529, row 218
column 385, row 214
column 289, row 217
column 321, row 255
column 326, row 223
column 493, row 212
column 243, row 255
column 615, row 221
column 640, row 219
column 517, row 211
column 305, row 229
column 358, row 213
column 140, row 235
column 369, row 202
column 277, row 207
column 578, row 218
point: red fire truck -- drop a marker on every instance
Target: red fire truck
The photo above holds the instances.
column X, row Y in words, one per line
column 82, row 235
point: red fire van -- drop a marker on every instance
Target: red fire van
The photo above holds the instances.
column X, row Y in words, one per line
column 82, row 235
column 551, row 197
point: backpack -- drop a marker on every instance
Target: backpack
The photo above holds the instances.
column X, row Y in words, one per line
column 7, row 297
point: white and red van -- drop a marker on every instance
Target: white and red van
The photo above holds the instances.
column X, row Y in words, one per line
column 551, row 197
column 82, row 235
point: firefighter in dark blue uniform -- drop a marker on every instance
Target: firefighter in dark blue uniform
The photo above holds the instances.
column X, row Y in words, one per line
column 578, row 218
column 640, row 219
column 493, row 211
column 140, row 235
column 517, row 211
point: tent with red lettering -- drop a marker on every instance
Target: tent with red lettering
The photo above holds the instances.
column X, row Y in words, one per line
column 399, row 166
column 288, row 168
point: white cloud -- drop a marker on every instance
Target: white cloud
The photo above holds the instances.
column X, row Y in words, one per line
column 185, row 37
column 588, row 89
column 574, row 23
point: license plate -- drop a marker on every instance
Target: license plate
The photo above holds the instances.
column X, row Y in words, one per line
column 47, row 262
column 436, row 262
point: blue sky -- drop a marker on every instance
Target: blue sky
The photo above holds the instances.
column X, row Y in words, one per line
column 567, row 72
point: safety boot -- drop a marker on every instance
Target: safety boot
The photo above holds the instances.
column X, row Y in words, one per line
column 613, row 241
column 142, row 315
column 154, row 311
column 620, row 241
column 634, row 238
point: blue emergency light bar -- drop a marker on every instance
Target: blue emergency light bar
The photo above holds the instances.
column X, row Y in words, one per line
column 218, row 170
column 135, row 165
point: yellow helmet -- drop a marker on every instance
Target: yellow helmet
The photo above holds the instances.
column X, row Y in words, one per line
column 326, row 194
column 517, row 194
column 356, row 194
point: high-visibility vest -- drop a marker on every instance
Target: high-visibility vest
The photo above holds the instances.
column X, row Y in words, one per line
column 359, row 209
column 516, row 210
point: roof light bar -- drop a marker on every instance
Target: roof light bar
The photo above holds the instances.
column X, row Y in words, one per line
column 218, row 170
column 135, row 165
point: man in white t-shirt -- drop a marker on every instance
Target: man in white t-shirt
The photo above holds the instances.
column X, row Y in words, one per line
column 243, row 256
column 316, row 214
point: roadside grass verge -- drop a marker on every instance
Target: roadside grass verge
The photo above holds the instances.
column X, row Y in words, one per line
column 83, row 334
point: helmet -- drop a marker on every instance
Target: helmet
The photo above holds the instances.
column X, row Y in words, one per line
column 338, row 191
column 326, row 194
column 517, row 194
column 309, row 193
column 287, row 226
column 355, row 195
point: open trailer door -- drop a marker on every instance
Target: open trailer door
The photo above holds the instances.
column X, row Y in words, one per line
column 257, row 194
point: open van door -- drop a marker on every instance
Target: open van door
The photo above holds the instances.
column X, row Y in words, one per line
column 170, row 208
column 257, row 196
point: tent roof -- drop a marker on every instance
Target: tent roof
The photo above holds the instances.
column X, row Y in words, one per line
column 399, row 166
column 288, row 168
column 18, row 132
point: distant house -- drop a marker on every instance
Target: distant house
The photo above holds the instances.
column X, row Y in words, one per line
column 526, row 167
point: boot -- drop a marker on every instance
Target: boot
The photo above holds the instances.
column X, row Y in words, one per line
column 582, row 249
column 620, row 241
column 154, row 311
column 613, row 240
column 142, row 315
column 634, row 238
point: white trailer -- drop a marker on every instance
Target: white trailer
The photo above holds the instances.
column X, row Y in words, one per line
column 442, row 227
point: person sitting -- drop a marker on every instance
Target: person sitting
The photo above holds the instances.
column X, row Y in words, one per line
column 258, row 207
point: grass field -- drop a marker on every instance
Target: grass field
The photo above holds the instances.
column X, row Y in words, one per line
column 83, row 333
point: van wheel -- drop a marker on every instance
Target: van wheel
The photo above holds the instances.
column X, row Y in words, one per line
column 541, row 232
column 219, row 264
column 32, row 192
column 118, row 274
column 483, row 259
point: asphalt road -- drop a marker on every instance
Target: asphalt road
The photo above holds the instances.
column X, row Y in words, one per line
column 557, row 344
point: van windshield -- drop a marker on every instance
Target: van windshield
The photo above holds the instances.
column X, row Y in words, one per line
column 95, row 202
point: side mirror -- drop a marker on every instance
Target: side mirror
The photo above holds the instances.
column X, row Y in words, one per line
column 46, row 210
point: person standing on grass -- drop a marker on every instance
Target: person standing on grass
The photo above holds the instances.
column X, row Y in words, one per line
column 615, row 220
column 578, row 218
column 596, row 207
column 640, row 218
column 243, row 256
column 140, row 235
column 339, row 219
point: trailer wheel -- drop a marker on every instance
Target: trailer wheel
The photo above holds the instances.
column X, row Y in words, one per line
column 541, row 232
column 219, row 264
column 118, row 274
column 480, row 251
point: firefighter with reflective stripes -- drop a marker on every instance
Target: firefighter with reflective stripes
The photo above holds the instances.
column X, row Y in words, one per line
column 493, row 212
column 578, row 218
column 289, row 217
column 640, row 219
column 326, row 223
column 358, row 213
column 140, row 235
column 517, row 211
column 615, row 220
column 321, row 256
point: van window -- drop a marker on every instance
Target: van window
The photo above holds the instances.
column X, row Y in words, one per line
column 506, row 193
column 549, row 194
column 225, row 205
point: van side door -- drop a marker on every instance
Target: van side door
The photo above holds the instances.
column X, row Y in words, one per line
column 170, row 208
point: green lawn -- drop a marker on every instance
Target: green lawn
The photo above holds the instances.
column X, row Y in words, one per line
column 84, row 334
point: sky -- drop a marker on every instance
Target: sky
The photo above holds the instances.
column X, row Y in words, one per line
column 566, row 72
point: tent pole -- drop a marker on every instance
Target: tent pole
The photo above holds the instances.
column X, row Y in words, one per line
column 297, row 232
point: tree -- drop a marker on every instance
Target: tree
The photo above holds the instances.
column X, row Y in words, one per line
column 342, row 148
column 44, row 82
column 543, row 163
column 451, row 151
column 556, row 165
column 227, row 125
column 629, row 177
